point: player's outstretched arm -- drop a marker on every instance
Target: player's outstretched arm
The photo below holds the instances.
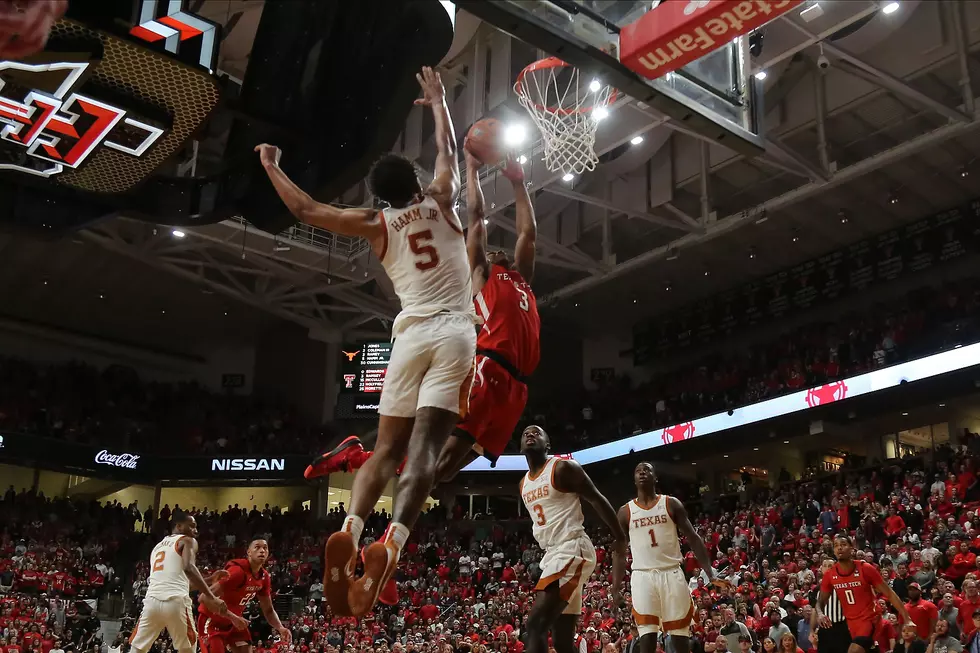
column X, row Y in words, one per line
column 679, row 514
column 527, row 226
column 269, row 612
column 570, row 477
column 188, row 554
column 476, row 231
column 347, row 222
column 445, row 186
column 884, row 589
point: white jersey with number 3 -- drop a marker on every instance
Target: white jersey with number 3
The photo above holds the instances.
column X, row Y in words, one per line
column 654, row 542
column 424, row 255
column 167, row 578
column 556, row 516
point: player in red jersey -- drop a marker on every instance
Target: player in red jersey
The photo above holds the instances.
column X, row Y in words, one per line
column 856, row 582
column 246, row 579
column 508, row 345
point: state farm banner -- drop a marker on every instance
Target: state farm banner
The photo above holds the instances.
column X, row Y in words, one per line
column 122, row 464
column 678, row 32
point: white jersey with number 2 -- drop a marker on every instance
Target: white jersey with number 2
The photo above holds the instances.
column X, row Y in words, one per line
column 167, row 578
column 424, row 255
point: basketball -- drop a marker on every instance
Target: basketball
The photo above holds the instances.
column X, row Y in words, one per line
column 485, row 141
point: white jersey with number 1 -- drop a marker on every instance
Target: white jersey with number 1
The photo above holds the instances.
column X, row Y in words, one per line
column 424, row 255
column 653, row 535
column 661, row 599
column 167, row 578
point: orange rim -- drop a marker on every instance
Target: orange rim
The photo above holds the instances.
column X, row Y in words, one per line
column 544, row 64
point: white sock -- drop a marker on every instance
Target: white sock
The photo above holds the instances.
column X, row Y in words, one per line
column 397, row 535
column 353, row 525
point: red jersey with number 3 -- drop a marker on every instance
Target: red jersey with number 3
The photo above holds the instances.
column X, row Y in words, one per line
column 509, row 312
column 855, row 590
column 239, row 589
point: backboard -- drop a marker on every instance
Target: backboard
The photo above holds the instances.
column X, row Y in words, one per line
column 712, row 96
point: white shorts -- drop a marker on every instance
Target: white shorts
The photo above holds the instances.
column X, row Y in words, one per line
column 431, row 365
column 570, row 564
column 174, row 615
column 661, row 601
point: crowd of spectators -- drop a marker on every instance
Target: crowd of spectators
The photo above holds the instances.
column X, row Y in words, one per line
column 465, row 586
column 114, row 407
column 924, row 322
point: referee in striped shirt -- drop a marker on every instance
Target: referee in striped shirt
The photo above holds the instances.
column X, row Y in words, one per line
column 837, row 638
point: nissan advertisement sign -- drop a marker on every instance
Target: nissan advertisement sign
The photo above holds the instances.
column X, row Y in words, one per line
column 119, row 463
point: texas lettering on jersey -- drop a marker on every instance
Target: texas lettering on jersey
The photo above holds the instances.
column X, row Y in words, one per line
column 644, row 522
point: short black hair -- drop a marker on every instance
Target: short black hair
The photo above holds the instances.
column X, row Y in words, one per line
column 846, row 538
column 181, row 517
column 393, row 179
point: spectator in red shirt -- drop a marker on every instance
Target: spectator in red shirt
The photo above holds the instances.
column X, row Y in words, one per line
column 969, row 604
column 429, row 612
column 924, row 613
column 894, row 525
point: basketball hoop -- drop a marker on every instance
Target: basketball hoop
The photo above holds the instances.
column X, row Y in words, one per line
column 566, row 110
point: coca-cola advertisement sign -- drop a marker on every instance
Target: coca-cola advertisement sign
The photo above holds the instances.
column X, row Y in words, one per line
column 127, row 460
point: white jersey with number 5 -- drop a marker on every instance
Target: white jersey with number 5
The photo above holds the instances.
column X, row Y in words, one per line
column 167, row 578
column 556, row 516
column 653, row 535
column 424, row 255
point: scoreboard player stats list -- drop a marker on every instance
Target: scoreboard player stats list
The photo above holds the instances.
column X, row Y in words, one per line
column 364, row 368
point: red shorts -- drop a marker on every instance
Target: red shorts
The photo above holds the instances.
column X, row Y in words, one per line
column 218, row 635
column 497, row 402
column 862, row 633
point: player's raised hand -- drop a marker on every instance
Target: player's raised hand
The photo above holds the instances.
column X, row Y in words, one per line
column 268, row 154
column 432, row 89
column 512, row 169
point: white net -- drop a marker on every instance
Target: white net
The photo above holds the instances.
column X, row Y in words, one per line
column 567, row 110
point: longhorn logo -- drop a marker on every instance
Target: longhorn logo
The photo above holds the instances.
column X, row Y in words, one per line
column 350, row 355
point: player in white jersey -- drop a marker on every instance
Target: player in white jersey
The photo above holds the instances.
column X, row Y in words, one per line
column 553, row 490
column 419, row 241
column 661, row 599
column 173, row 572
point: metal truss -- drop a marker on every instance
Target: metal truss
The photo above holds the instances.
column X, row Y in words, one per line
column 291, row 279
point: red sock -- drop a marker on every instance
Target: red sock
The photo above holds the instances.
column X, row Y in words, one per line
column 357, row 459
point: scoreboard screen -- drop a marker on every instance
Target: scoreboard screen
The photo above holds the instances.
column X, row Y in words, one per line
column 361, row 374
column 362, row 368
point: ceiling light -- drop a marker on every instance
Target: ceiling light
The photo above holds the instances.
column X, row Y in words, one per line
column 812, row 12
column 594, row 86
column 226, row 313
column 755, row 448
column 486, row 220
column 163, row 312
column 905, row 414
column 942, row 405
column 522, row 160
column 45, row 282
column 634, row 301
column 707, row 273
column 515, row 134
column 667, row 287
column 636, row 140
column 785, row 441
column 796, row 238
column 751, row 253
column 600, row 113
column 726, row 455
column 694, row 463
column 761, row 75
column 892, row 199
column 101, row 296
column 576, row 304
column 964, row 173
column 568, row 177
column 178, row 233
column 890, row 8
